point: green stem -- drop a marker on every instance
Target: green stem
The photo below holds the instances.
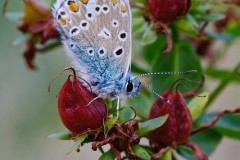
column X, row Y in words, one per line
column 223, row 84
column 101, row 150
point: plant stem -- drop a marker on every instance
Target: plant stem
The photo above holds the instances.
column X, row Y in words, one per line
column 223, row 84
column 101, row 149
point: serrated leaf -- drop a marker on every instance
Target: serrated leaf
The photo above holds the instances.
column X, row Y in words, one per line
column 149, row 125
column 109, row 155
column 61, row 136
column 77, row 143
column 197, row 105
column 141, row 152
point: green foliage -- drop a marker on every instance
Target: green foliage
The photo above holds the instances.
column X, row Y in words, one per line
column 150, row 125
column 109, row 155
column 61, row 136
column 227, row 126
column 141, row 152
column 186, row 32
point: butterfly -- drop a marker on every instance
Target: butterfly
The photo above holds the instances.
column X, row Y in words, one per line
column 96, row 35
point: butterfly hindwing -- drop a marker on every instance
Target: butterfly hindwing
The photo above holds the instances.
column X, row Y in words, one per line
column 97, row 35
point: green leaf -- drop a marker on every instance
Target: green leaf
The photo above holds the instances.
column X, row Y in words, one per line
column 186, row 152
column 141, row 152
column 192, row 20
column 197, row 105
column 223, row 84
column 208, row 140
column 61, row 136
column 151, row 52
column 149, row 36
column 219, row 36
column 141, row 105
column 228, row 124
column 14, row 16
column 167, row 155
column 149, row 125
column 212, row 17
column 182, row 58
column 109, row 123
column 77, row 143
column 221, row 74
column 186, row 26
column 21, row 39
column 109, row 155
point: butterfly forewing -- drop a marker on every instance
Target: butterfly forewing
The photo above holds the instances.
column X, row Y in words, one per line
column 97, row 35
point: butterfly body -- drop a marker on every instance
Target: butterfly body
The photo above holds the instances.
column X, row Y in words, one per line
column 97, row 36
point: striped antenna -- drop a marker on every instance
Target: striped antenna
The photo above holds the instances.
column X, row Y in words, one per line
column 148, row 87
column 168, row 73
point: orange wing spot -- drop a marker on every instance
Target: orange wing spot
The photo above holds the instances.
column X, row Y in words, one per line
column 115, row 2
column 73, row 7
column 62, row 21
column 84, row 1
column 123, row 8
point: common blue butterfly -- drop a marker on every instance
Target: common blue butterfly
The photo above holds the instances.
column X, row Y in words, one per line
column 97, row 36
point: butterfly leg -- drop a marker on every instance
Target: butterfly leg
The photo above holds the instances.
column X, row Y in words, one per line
column 93, row 100
column 118, row 105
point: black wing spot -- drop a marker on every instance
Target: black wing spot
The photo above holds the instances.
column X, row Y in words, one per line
column 119, row 52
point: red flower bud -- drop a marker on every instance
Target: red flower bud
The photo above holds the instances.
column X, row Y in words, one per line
column 74, row 108
column 178, row 127
column 167, row 10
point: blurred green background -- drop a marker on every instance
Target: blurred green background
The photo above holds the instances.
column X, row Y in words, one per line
column 28, row 113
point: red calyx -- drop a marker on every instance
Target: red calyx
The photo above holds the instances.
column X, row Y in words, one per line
column 75, row 111
column 178, row 127
column 166, row 11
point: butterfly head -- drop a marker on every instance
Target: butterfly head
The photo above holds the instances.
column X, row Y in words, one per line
column 131, row 87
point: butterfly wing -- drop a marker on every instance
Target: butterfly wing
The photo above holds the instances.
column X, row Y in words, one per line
column 97, row 35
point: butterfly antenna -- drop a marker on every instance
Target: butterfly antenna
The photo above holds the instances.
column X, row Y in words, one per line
column 148, row 87
column 59, row 74
column 168, row 73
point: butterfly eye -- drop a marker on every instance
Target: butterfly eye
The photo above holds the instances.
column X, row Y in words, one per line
column 122, row 36
column 84, row 25
column 129, row 87
column 74, row 31
column 101, row 51
column 90, row 51
column 115, row 23
column 105, row 9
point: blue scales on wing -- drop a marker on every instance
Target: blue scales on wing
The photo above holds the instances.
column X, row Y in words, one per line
column 97, row 36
